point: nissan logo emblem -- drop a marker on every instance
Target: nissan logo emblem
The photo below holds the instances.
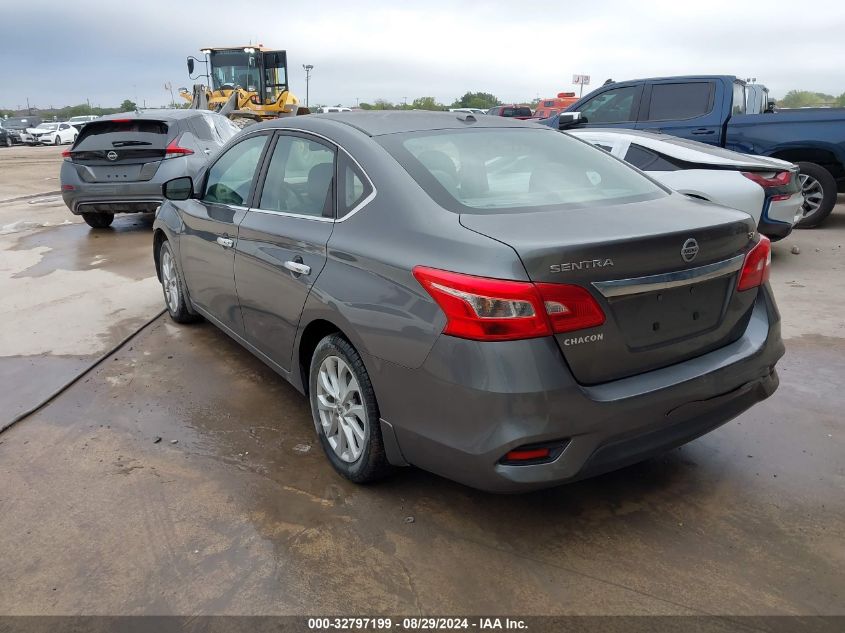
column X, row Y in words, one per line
column 112, row 155
column 689, row 250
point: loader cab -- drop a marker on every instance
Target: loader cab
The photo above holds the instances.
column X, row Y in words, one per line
column 253, row 69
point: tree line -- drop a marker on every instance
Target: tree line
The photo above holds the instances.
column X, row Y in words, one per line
column 482, row 100
column 807, row 99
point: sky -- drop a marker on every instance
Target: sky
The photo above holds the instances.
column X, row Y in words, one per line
column 64, row 53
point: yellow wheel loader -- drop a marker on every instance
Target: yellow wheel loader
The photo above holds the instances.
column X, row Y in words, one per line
column 246, row 82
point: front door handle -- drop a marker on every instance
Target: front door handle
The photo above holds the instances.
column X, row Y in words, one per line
column 298, row 267
column 702, row 130
column 226, row 242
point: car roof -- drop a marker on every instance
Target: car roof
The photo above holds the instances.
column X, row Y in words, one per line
column 398, row 121
column 681, row 148
column 679, row 78
column 157, row 114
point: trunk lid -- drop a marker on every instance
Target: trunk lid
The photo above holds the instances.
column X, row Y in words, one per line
column 127, row 150
column 660, row 308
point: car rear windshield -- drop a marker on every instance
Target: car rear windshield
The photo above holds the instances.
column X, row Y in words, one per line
column 486, row 170
column 122, row 133
column 509, row 111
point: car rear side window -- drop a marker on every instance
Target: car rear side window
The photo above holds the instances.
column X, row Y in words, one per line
column 483, row 170
column 200, row 127
column 647, row 159
column 299, row 178
column 354, row 186
column 671, row 102
column 230, row 178
column 739, row 100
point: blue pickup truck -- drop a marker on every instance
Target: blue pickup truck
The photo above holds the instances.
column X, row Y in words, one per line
column 712, row 109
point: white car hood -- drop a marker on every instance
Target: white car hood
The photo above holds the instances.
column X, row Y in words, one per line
column 37, row 131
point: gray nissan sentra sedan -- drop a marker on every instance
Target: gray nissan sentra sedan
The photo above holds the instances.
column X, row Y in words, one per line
column 487, row 299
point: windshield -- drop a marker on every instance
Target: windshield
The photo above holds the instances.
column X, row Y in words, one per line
column 484, row 170
column 235, row 68
column 17, row 123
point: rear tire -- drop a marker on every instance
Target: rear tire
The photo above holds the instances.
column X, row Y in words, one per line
column 819, row 187
column 98, row 220
column 173, row 286
column 345, row 412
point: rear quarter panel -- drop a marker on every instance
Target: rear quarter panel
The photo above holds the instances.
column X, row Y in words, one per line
column 728, row 188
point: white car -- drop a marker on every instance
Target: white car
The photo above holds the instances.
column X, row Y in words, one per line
column 767, row 189
column 53, row 133
column 468, row 110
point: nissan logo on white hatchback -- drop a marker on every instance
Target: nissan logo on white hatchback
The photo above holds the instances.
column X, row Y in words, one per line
column 689, row 250
column 112, row 155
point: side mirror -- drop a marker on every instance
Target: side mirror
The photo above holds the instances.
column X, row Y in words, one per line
column 178, row 188
column 190, row 66
column 568, row 120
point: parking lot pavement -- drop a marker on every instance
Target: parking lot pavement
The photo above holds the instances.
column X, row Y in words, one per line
column 29, row 170
column 235, row 510
column 69, row 293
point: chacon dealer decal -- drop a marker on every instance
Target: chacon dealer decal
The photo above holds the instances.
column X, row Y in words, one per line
column 578, row 340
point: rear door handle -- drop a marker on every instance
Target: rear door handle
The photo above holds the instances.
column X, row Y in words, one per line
column 703, row 130
column 226, row 242
column 297, row 267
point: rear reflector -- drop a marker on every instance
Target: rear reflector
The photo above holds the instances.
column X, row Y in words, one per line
column 68, row 187
column 485, row 309
column 174, row 149
column 755, row 268
column 526, row 454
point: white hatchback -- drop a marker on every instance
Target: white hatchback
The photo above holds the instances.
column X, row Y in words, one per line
column 766, row 188
column 53, row 133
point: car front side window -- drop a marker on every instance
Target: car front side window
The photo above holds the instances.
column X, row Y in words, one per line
column 230, row 178
column 612, row 106
column 299, row 178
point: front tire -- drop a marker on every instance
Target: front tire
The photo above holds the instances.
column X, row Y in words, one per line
column 57, row 141
column 345, row 411
column 819, row 188
column 8, row 141
column 173, row 286
column 98, row 220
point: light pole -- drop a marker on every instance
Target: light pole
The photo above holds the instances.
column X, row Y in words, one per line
column 308, row 68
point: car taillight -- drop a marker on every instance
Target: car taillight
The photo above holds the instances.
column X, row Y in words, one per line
column 780, row 179
column 66, row 153
column 755, row 268
column 485, row 309
column 174, row 150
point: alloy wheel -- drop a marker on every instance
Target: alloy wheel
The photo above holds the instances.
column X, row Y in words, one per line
column 169, row 281
column 343, row 417
column 813, row 194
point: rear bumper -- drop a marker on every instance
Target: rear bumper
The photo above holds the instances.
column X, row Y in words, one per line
column 129, row 197
column 470, row 403
column 780, row 216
